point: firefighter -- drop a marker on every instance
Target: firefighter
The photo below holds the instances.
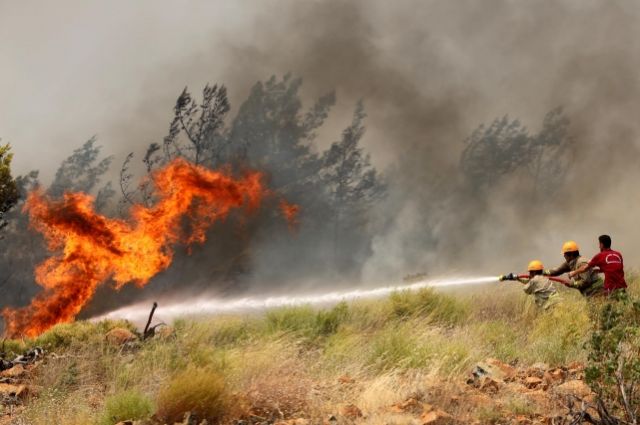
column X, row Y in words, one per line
column 536, row 284
column 611, row 264
column 588, row 282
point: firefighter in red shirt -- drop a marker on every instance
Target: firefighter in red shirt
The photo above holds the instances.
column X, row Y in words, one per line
column 610, row 262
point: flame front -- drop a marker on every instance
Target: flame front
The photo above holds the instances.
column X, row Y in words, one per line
column 91, row 249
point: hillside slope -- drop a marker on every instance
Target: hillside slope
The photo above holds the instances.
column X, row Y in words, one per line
column 406, row 359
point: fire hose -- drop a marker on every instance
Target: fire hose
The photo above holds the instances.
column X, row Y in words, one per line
column 513, row 276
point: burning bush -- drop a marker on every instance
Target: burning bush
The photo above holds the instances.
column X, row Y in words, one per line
column 201, row 391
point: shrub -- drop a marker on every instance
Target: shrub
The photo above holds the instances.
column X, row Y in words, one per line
column 291, row 319
column 126, row 405
column 327, row 322
column 613, row 371
column 307, row 322
column 197, row 390
column 81, row 332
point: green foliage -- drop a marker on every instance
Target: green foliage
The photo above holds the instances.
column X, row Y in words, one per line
column 81, row 171
column 126, row 405
column 396, row 349
column 81, row 332
column 557, row 336
column 613, row 371
column 306, row 321
column 201, row 391
column 8, row 186
column 438, row 308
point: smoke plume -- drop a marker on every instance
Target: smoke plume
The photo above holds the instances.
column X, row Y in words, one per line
column 429, row 73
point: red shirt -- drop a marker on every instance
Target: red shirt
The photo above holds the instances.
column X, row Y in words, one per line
column 610, row 262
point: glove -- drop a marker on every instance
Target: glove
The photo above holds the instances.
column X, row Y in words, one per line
column 509, row 276
column 546, row 272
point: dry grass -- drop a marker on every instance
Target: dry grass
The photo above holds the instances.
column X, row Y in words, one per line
column 202, row 392
column 288, row 362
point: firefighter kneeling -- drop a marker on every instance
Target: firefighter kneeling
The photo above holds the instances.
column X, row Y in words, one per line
column 536, row 284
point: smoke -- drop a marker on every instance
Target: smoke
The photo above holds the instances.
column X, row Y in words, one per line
column 429, row 73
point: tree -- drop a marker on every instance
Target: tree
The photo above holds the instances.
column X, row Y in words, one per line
column 196, row 134
column 23, row 249
column 272, row 133
column 352, row 182
column 494, row 151
column 506, row 147
column 549, row 153
column 8, row 186
column 81, row 172
column 200, row 124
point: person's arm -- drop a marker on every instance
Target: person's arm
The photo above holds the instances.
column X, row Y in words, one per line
column 584, row 267
column 561, row 269
column 577, row 271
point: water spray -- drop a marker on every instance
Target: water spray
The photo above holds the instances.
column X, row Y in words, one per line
column 211, row 306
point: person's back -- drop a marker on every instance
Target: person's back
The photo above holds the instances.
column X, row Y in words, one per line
column 612, row 265
column 542, row 289
column 588, row 282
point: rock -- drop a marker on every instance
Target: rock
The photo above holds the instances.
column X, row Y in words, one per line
column 164, row 332
column 554, row 376
column 350, row 411
column 331, row 420
column 15, row 372
column 489, row 384
column 540, row 366
column 299, row 421
column 494, row 369
column 575, row 387
column 537, row 397
column 436, row 417
column 120, row 336
column 532, row 382
column 410, row 405
column 522, row 420
column 506, row 371
column 346, row 379
column 11, row 390
column 537, row 370
column 575, row 366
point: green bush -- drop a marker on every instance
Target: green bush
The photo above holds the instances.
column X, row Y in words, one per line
column 307, row 322
column 81, row 332
column 613, row 371
column 126, row 405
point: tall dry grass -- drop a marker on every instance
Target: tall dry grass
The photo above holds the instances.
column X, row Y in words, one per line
column 287, row 362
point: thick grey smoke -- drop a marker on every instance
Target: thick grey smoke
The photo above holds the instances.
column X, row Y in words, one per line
column 428, row 72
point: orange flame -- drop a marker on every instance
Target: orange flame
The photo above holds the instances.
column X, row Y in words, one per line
column 290, row 211
column 91, row 249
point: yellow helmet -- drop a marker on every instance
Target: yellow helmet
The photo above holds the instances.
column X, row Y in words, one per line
column 570, row 246
column 535, row 265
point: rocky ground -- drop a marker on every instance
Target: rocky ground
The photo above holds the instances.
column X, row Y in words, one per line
column 494, row 393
